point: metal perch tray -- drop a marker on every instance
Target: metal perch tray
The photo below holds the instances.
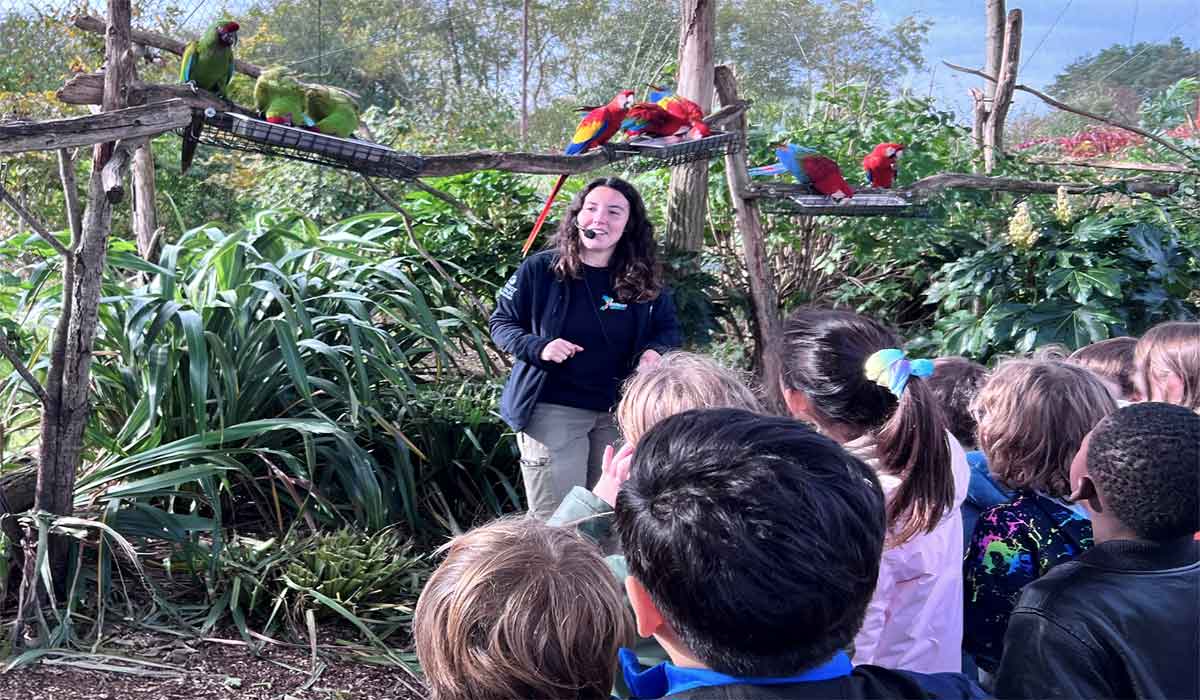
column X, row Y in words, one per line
column 669, row 151
column 242, row 133
column 803, row 201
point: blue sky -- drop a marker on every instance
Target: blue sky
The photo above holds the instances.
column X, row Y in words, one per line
column 1085, row 28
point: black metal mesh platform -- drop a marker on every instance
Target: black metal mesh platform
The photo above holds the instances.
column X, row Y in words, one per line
column 803, row 201
column 229, row 130
column 669, row 151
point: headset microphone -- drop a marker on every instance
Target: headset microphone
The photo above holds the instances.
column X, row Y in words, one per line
column 587, row 232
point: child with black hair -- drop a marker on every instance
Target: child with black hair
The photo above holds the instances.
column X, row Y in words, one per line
column 753, row 545
column 1120, row 621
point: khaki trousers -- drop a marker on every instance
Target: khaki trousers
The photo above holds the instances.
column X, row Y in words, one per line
column 562, row 447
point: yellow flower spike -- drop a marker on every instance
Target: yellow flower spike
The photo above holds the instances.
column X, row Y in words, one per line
column 1021, row 232
column 1062, row 207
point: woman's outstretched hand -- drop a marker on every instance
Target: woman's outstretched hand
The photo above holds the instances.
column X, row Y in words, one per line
column 615, row 473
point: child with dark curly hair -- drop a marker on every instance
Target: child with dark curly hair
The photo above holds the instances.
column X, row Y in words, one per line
column 1033, row 415
column 1120, row 621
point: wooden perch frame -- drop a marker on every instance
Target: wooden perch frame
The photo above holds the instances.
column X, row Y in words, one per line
column 117, row 125
column 96, row 25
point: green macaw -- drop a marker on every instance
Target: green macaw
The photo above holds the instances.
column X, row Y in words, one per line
column 279, row 97
column 333, row 109
column 207, row 65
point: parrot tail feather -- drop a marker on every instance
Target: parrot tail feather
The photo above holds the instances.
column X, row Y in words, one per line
column 191, row 137
column 537, row 225
column 768, row 170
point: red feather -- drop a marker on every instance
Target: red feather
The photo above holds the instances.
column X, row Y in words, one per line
column 657, row 121
column 826, row 176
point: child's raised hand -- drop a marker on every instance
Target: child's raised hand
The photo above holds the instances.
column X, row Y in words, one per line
column 616, row 472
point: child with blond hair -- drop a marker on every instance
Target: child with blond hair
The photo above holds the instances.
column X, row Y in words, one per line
column 1113, row 361
column 1167, row 363
column 1032, row 416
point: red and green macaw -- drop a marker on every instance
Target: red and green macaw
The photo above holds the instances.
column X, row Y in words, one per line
column 333, row 110
column 682, row 108
column 596, row 128
column 880, row 164
column 207, row 65
column 280, row 98
column 809, row 168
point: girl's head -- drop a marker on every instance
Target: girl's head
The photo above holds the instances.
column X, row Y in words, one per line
column 679, row 382
column 1033, row 415
column 1167, row 364
column 1112, row 360
column 602, row 205
column 825, row 380
column 521, row 609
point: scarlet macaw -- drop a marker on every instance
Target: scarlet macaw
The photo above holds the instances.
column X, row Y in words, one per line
column 681, row 107
column 596, row 128
column 880, row 164
column 809, row 168
column 649, row 119
column 207, row 64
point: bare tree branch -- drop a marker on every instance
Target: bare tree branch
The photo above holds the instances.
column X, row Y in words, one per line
column 19, row 366
column 963, row 181
column 1075, row 110
column 66, row 173
column 1118, row 165
column 34, row 224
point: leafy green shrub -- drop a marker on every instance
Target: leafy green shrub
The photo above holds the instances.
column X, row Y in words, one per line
column 1059, row 278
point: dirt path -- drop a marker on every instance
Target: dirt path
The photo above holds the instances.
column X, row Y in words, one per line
column 205, row 671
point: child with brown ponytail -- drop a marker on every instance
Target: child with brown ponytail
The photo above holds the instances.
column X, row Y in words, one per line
column 847, row 375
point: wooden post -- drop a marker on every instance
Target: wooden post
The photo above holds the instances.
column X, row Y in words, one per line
column 65, row 410
column 993, row 50
column 145, row 218
column 1006, row 81
column 687, row 198
column 764, row 298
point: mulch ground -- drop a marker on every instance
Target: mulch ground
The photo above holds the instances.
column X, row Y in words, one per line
column 207, row 670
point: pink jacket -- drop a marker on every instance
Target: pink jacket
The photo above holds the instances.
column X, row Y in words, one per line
column 915, row 619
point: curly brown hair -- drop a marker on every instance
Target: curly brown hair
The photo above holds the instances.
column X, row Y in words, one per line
column 1033, row 415
column 636, row 273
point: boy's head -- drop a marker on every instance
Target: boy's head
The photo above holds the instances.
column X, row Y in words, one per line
column 753, row 542
column 520, row 609
column 1112, row 360
column 955, row 382
column 678, row 382
column 1033, row 415
column 1141, row 467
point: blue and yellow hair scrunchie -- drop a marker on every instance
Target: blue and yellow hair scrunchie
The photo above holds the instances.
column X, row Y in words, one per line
column 891, row 368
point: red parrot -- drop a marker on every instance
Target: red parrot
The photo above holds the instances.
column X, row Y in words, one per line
column 880, row 164
column 649, row 119
column 809, row 168
column 681, row 107
column 596, row 128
